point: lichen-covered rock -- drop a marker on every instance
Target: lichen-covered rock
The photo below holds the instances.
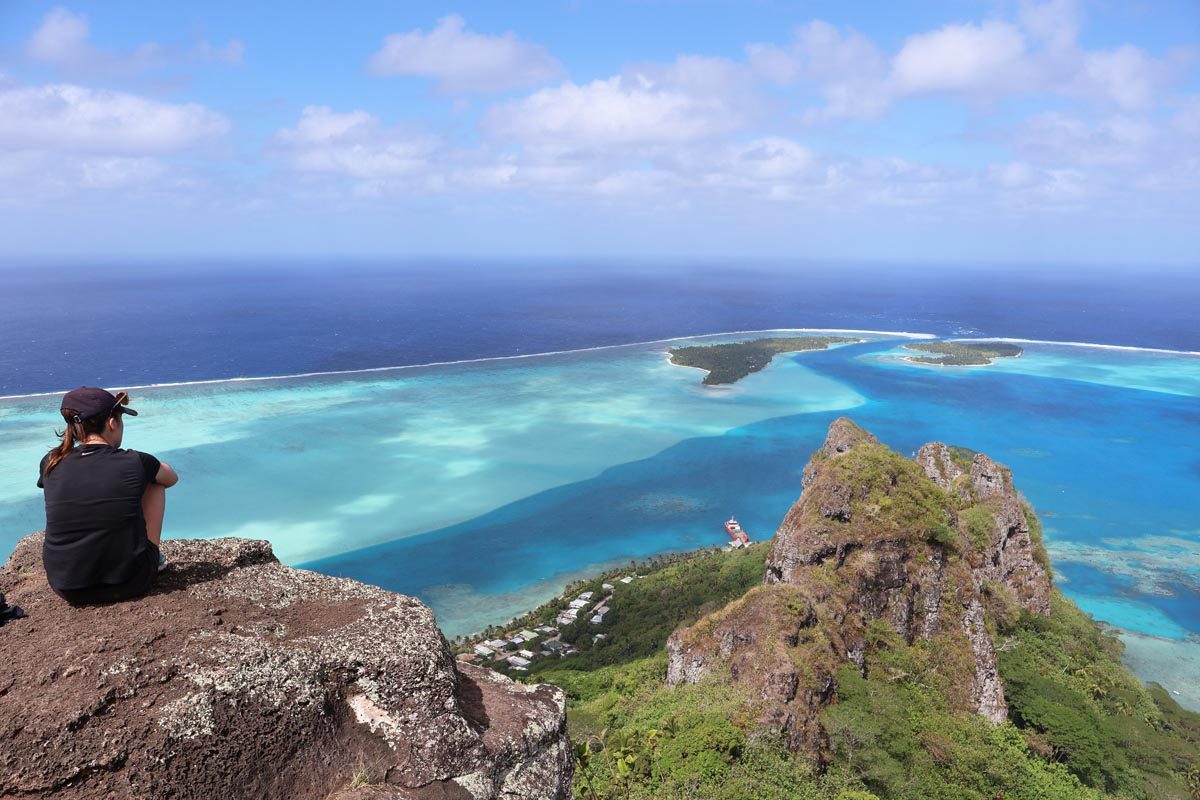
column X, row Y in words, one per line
column 926, row 547
column 996, row 520
column 238, row 677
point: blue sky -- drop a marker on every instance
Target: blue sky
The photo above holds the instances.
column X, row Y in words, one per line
column 1059, row 132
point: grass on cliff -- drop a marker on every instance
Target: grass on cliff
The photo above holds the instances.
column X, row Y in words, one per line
column 1040, row 554
column 893, row 498
column 729, row 363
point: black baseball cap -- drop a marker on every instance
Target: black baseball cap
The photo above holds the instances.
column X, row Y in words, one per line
column 90, row 401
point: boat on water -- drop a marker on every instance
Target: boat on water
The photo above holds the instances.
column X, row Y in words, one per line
column 738, row 537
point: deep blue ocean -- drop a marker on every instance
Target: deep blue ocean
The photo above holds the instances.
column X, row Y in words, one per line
column 64, row 325
column 482, row 487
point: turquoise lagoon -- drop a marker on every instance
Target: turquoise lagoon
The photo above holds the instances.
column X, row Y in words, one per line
column 483, row 486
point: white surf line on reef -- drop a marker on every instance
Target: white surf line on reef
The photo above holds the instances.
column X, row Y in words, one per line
column 367, row 370
column 1125, row 347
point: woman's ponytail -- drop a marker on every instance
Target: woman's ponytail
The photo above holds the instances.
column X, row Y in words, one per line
column 76, row 430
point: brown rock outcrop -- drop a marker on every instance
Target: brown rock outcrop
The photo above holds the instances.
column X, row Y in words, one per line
column 238, row 677
column 1006, row 553
column 931, row 548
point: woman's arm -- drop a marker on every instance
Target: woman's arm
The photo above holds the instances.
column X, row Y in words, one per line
column 166, row 476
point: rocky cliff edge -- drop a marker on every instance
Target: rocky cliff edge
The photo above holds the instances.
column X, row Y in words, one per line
column 238, row 677
column 937, row 548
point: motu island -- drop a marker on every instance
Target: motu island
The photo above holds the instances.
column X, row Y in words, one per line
column 729, row 363
column 963, row 354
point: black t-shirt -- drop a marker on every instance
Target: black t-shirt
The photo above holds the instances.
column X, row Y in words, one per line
column 95, row 530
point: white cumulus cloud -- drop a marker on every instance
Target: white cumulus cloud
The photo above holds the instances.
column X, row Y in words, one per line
column 355, row 144
column 1035, row 54
column 1126, row 76
column 40, row 175
column 63, row 41
column 462, row 61
column 989, row 57
column 1056, row 138
column 62, row 38
column 849, row 70
column 620, row 111
column 775, row 167
column 1055, row 23
column 1038, row 55
column 73, row 118
column 1019, row 186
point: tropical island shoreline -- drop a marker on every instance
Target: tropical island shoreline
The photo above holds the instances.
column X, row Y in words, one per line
column 962, row 354
column 727, row 363
column 335, row 373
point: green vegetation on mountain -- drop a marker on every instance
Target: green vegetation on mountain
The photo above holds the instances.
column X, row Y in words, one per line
column 638, row 739
column 900, row 729
column 963, row 354
column 1078, row 705
column 994, row 686
column 729, row 363
column 894, row 499
column 1080, row 725
column 903, row 718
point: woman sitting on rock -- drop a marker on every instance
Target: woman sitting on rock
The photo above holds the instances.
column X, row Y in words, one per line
column 104, row 505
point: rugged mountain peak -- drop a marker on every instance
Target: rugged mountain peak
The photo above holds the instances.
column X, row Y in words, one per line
column 933, row 549
column 942, row 465
column 1003, row 531
column 945, row 466
column 238, row 677
column 843, row 434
